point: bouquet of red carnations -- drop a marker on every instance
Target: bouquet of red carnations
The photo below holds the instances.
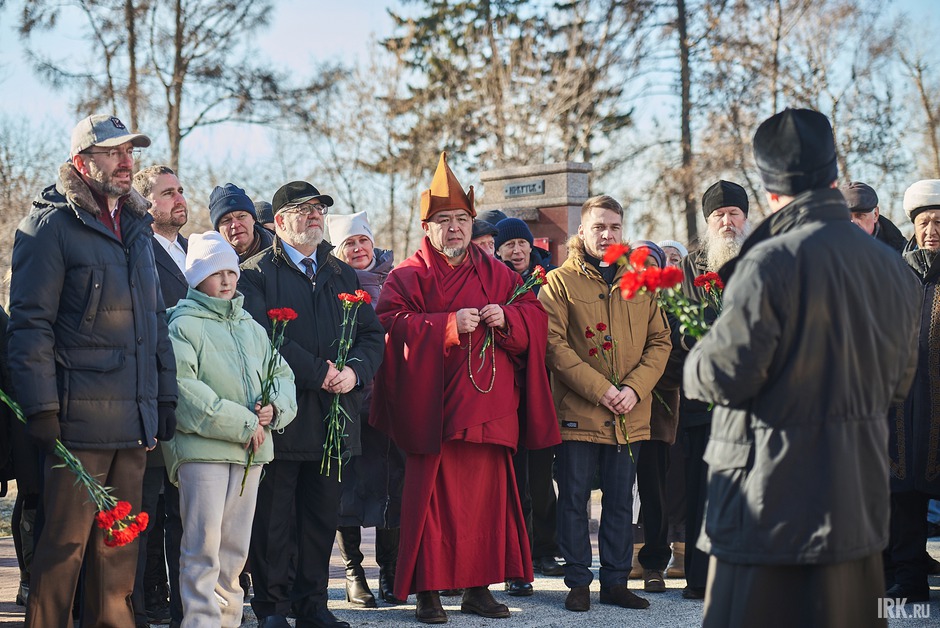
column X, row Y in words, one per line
column 279, row 318
column 662, row 284
column 338, row 416
column 113, row 516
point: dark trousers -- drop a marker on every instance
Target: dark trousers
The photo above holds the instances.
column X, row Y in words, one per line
column 69, row 534
column 544, row 503
column 577, row 463
column 651, row 482
column 907, row 541
column 834, row 595
column 316, row 499
column 675, row 490
column 159, row 544
column 696, row 479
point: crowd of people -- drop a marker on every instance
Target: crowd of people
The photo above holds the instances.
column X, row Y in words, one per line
column 784, row 462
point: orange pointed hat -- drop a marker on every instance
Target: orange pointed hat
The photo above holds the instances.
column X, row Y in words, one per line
column 445, row 193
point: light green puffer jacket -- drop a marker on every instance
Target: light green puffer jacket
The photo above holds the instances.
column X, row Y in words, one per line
column 220, row 356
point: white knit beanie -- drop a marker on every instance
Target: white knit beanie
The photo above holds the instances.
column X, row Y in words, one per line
column 208, row 253
column 676, row 245
column 922, row 195
column 343, row 226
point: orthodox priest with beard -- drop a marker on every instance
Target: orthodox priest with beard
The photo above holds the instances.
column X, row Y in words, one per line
column 453, row 407
column 725, row 206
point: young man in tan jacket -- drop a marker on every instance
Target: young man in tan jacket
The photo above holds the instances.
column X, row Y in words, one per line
column 633, row 337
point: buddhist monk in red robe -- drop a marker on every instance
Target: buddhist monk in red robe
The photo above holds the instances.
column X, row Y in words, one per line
column 455, row 413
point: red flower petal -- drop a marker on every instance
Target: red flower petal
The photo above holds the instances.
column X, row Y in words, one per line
column 615, row 252
column 592, row 351
column 638, row 257
column 601, row 327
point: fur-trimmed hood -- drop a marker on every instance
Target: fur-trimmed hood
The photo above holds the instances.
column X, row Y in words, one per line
column 575, row 246
column 71, row 186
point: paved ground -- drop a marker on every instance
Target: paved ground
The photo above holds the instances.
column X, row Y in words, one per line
column 544, row 609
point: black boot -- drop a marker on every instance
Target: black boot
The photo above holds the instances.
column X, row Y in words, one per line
column 357, row 589
column 386, row 555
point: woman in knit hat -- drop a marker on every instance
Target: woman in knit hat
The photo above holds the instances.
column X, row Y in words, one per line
column 220, row 350
column 371, row 488
column 674, row 251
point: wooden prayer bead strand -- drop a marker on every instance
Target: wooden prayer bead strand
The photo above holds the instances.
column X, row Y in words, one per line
column 470, row 366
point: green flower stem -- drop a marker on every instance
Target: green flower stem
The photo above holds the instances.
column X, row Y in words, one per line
column 100, row 495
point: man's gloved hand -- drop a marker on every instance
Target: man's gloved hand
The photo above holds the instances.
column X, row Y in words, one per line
column 166, row 421
column 44, row 428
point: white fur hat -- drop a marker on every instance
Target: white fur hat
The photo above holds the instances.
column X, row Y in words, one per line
column 208, row 253
column 676, row 245
column 343, row 226
column 922, row 195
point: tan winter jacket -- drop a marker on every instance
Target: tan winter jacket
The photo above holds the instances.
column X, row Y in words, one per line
column 575, row 297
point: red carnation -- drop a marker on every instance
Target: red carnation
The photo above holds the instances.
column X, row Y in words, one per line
column 615, row 252
column 601, row 327
column 121, row 510
column 141, row 521
column 607, row 346
column 364, row 296
column 630, row 283
column 651, row 278
column 671, row 277
column 588, row 333
column 592, row 352
column 638, row 257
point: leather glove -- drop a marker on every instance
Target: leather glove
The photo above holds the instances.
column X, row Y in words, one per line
column 44, row 428
column 166, row 421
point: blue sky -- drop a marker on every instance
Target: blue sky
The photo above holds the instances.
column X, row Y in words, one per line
column 302, row 33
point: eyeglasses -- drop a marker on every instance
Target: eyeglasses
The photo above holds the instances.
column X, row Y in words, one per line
column 306, row 209
column 116, row 153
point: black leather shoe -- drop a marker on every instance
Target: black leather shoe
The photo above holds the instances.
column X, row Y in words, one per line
column 693, row 593
column 548, row 566
column 387, row 590
column 913, row 595
column 22, row 594
column 620, row 595
column 322, row 618
column 358, row 592
column 479, row 601
column 428, row 609
column 273, row 621
column 518, row 588
column 579, row 599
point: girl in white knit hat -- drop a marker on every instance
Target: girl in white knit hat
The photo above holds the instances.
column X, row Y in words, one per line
column 221, row 353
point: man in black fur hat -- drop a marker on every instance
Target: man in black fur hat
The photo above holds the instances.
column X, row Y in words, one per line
column 797, row 511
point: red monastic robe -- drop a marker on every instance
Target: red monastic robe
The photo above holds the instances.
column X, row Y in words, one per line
column 462, row 522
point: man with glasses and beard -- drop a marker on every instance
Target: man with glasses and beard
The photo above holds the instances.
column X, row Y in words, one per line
column 298, row 272
column 91, row 364
column 725, row 206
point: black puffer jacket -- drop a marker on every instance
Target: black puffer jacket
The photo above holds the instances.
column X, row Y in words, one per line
column 88, row 334
column 816, row 338
column 270, row 280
